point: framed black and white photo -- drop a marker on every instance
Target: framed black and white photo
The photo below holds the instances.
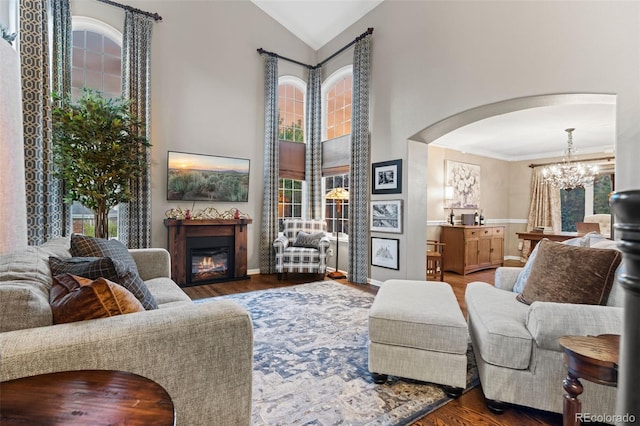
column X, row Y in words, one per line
column 387, row 177
column 385, row 253
column 386, row 216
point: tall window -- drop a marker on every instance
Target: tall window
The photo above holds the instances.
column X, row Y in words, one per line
column 578, row 202
column 291, row 129
column 339, row 107
column 337, row 220
column 337, row 123
column 96, row 64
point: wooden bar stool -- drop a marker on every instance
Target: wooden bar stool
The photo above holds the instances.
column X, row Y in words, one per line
column 434, row 260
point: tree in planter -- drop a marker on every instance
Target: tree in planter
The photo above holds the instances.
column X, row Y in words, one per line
column 97, row 150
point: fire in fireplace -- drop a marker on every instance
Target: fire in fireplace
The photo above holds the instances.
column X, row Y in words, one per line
column 209, row 259
column 209, row 264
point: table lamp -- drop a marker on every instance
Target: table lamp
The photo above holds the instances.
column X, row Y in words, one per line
column 338, row 195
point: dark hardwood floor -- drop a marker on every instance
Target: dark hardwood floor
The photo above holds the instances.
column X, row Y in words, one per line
column 469, row 409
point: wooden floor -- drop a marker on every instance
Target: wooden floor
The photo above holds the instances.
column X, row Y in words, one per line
column 469, row 409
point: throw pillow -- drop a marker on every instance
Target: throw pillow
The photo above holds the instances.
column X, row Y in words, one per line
column 75, row 298
column 526, row 271
column 106, row 267
column 567, row 274
column 307, row 240
column 85, row 246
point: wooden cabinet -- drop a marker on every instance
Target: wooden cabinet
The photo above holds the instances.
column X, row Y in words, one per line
column 472, row 248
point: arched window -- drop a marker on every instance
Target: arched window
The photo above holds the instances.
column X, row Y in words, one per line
column 96, row 63
column 96, row 57
column 337, row 94
column 291, row 185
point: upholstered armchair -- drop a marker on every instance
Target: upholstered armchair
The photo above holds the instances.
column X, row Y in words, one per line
column 302, row 247
column 604, row 220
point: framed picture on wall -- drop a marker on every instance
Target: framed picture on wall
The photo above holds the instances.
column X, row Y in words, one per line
column 465, row 180
column 385, row 252
column 387, row 177
column 386, row 216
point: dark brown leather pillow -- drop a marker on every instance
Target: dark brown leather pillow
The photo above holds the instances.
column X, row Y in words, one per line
column 569, row 274
column 74, row 298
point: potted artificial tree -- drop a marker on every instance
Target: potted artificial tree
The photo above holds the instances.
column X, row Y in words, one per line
column 97, row 150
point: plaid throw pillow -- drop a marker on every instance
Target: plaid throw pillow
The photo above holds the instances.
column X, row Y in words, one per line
column 85, row 246
column 108, row 268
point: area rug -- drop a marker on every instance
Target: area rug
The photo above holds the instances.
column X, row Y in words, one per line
column 310, row 361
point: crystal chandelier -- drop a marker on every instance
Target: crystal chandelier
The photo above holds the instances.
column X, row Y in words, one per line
column 570, row 174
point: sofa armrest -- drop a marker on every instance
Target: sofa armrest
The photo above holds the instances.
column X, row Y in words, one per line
column 548, row 321
column 324, row 244
column 506, row 277
column 202, row 355
column 152, row 263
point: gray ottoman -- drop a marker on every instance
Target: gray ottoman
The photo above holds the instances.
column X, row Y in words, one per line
column 417, row 331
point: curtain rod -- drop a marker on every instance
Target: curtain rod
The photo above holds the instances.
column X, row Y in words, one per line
column 155, row 16
column 357, row 39
column 573, row 161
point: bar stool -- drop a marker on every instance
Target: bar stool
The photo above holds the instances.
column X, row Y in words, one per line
column 434, row 260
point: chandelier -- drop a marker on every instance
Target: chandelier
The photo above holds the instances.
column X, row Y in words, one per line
column 570, row 174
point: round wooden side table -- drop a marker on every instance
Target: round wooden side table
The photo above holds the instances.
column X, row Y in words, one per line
column 593, row 358
column 85, row 397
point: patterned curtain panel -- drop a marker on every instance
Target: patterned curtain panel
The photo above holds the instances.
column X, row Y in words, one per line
column 359, row 174
column 134, row 227
column 269, row 228
column 313, row 167
column 544, row 209
column 61, row 76
column 45, row 217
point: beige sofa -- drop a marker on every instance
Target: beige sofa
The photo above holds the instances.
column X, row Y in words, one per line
column 516, row 346
column 202, row 354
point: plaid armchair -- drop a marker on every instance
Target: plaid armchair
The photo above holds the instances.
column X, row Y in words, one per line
column 292, row 256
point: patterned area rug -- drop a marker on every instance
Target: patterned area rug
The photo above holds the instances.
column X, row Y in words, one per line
column 310, row 361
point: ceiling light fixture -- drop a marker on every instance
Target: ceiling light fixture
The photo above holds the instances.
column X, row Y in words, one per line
column 570, row 174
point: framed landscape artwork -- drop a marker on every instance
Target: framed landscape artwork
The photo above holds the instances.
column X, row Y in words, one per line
column 385, row 252
column 386, row 216
column 465, row 180
column 387, row 177
column 199, row 177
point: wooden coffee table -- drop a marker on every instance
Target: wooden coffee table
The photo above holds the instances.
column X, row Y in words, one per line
column 593, row 358
column 85, row 397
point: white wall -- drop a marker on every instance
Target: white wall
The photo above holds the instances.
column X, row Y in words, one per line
column 207, row 88
column 431, row 60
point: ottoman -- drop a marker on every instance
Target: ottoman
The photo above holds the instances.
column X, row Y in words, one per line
column 417, row 331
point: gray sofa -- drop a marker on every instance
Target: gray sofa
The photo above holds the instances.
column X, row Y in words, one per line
column 202, row 354
column 516, row 345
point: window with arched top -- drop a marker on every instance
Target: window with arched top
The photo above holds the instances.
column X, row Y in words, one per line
column 96, row 63
column 291, row 185
column 337, row 95
column 96, row 58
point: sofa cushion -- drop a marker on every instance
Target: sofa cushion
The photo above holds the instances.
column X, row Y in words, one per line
column 105, row 267
column 304, row 239
column 616, row 295
column 25, row 281
column 526, row 270
column 165, row 291
column 567, row 274
column 497, row 325
column 75, row 298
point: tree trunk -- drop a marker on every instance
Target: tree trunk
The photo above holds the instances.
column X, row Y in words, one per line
column 102, row 222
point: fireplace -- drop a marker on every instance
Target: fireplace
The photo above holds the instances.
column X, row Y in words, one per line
column 208, row 250
column 209, row 259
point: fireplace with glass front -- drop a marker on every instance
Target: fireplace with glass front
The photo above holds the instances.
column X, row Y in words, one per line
column 207, row 251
